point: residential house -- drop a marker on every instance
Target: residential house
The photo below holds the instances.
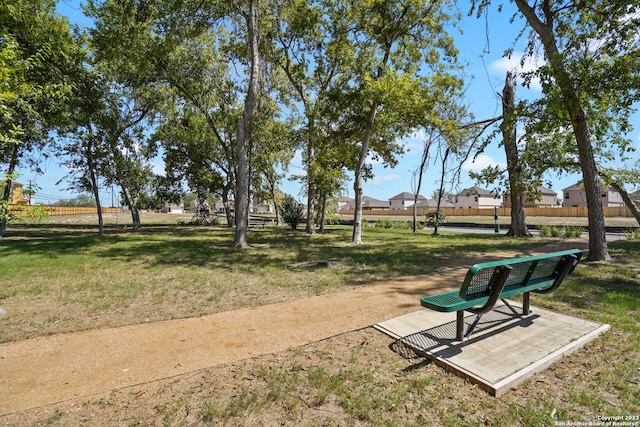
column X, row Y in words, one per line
column 574, row 197
column 403, row 201
column 261, row 206
column 369, row 204
column 173, row 208
column 476, row 197
column 343, row 203
column 546, row 198
column 635, row 196
column 17, row 195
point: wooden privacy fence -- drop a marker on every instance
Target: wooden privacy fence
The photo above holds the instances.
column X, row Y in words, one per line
column 66, row 210
column 549, row 212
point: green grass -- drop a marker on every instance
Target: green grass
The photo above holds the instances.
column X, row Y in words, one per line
column 66, row 281
column 171, row 271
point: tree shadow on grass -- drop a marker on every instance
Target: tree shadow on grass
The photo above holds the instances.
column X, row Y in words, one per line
column 387, row 253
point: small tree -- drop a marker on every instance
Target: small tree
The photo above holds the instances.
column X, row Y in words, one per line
column 292, row 212
column 435, row 219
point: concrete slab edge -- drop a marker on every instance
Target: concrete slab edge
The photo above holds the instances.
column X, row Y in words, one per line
column 518, row 377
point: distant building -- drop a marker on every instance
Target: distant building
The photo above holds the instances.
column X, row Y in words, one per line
column 344, row 202
column 575, row 197
column 261, row 206
column 635, row 196
column 369, row 204
column 403, row 201
column 173, row 208
column 476, row 197
column 16, row 194
column 547, row 198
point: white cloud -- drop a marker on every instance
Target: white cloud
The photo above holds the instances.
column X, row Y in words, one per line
column 481, row 162
column 515, row 64
column 414, row 143
column 382, row 179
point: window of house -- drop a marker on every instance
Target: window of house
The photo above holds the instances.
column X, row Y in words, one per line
column 475, row 198
column 567, row 196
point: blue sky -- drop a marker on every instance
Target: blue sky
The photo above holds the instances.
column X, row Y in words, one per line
column 486, row 73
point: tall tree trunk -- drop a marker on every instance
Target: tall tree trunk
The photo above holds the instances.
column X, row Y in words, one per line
column 6, row 196
column 244, row 130
column 629, row 203
column 421, row 170
column 356, row 238
column 94, row 185
column 443, row 173
column 323, row 210
column 518, row 226
column 311, row 188
column 598, row 250
column 274, row 195
column 226, row 203
column 135, row 213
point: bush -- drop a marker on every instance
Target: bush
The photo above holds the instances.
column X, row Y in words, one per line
column 555, row 231
column 292, row 212
column 385, row 223
column 573, row 231
column 632, row 234
column 435, row 219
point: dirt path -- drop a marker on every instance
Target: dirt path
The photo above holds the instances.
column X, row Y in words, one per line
column 47, row 370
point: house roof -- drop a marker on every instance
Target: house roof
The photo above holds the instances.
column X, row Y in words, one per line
column 547, row 191
column 14, row 184
column 407, row 196
column 372, row 203
column 576, row 186
column 433, row 204
column 475, row 190
column 580, row 186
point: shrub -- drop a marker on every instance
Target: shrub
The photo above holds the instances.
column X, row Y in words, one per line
column 556, row 231
column 573, row 231
column 435, row 219
column 292, row 212
column 632, row 234
column 385, row 223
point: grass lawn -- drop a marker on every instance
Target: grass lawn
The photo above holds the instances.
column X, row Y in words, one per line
column 59, row 277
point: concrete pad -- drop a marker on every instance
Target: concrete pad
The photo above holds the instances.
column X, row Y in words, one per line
column 503, row 350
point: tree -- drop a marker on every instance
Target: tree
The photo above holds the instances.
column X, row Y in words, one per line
column 312, row 49
column 398, row 51
column 590, row 82
column 443, row 130
column 37, row 52
column 292, row 212
column 518, row 226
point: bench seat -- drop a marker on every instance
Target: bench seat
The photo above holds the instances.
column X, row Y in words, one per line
column 451, row 301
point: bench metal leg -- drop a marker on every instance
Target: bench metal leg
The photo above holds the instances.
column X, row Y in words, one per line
column 473, row 325
column 525, row 304
column 459, row 325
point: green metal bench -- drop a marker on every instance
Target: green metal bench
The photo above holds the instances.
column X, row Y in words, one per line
column 487, row 282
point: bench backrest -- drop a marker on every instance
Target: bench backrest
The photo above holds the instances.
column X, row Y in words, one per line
column 544, row 272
